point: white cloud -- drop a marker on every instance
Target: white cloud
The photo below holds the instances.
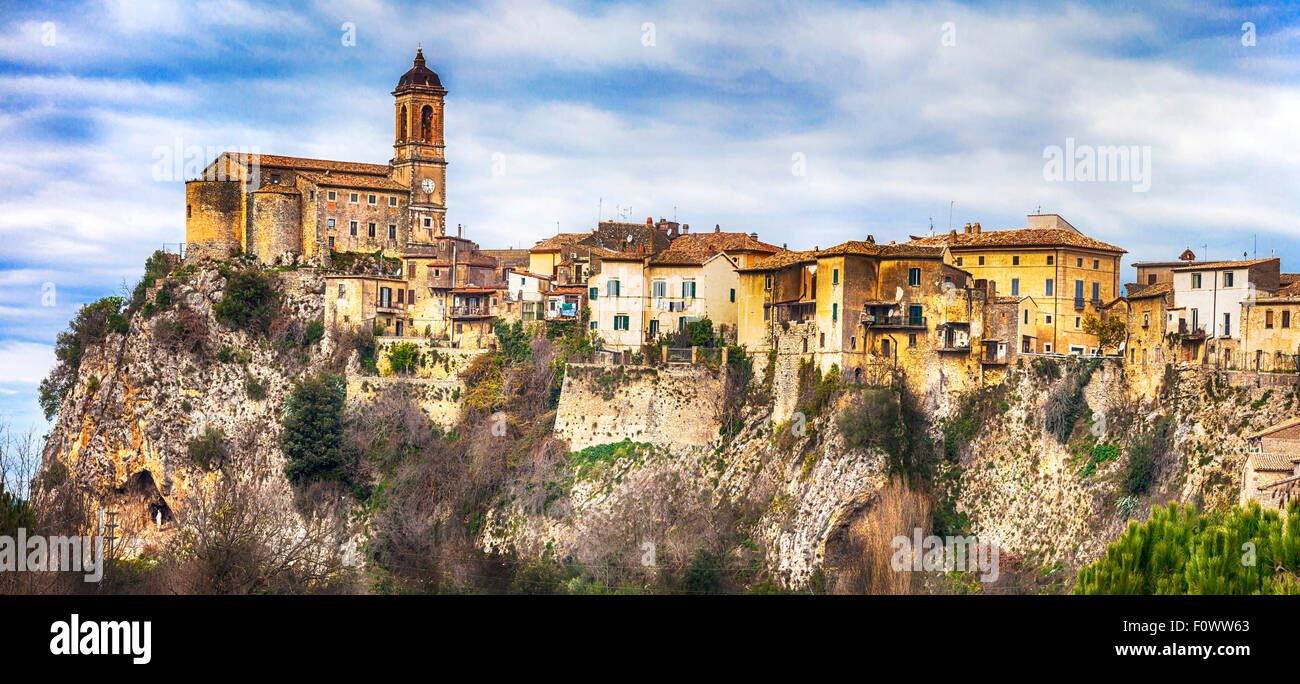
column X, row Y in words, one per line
column 25, row 362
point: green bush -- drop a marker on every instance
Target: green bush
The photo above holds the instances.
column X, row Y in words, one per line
column 249, row 302
column 208, row 451
column 403, row 357
column 91, row 325
column 312, row 439
column 315, row 333
column 254, row 389
column 1178, row 551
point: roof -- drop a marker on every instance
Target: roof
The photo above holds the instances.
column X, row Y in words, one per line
column 1152, row 290
column 567, row 289
column 530, row 274
column 725, row 242
column 305, row 164
column 782, row 259
column 1274, row 462
column 559, row 242
column 683, row 257
column 353, row 180
column 1018, row 237
column 1290, row 422
column 888, row 251
column 479, row 290
column 419, row 75
column 1213, row 265
column 614, row 235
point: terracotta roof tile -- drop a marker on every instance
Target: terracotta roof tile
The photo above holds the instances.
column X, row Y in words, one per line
column 353, row 180
column 557, row 243
column 1151, row 290
column 871, row 249
column 682, row 257
column 1227, row 264
column 782, row 259
column 305, row 164
column 726, row 242
column 1018, row 237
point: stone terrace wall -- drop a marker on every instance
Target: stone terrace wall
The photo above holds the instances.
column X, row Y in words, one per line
column 674, row 407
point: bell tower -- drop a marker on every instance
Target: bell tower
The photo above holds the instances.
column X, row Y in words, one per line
column 418, row 159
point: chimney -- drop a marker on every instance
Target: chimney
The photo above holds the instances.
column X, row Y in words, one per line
column 967, row 229
column 952, row 233
column 785, row 245
column 975, row 227
column 458, row 230
column 891, row 242
column 871, row 239
column 754, row 235
column 717, row 228
column 686, row 228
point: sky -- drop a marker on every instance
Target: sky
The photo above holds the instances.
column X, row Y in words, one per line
column 809, row 123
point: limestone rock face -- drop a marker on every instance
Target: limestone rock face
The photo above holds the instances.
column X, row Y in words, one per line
column 124, row 428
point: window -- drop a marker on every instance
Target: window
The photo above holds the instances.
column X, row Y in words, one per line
column 428, row 222
column 981, row 261
column 353, row 228
column 311, row 194
column 835, row 276
column 733, row 295
column 410, row 270
column 1096, row 292
column 331, row 242
column 353, row 198
column 911, row 340
column 1146, row 320
column 688, row 289
column 392, row 231
column 884, row 346
column 330, row 196
column 914, row 317
column 385, row 296
column 821, row 340
column 1049, row 287
column 1051, row 260
column 593, row 325
column 329, row 222
column 1079, row 262
column 371, row 230
column 767, row 313
column 1015, row 286
column 1015, row 261
column 1196, row 281
column 370, row 199
column 1026, row 316
column 620, row 322
column 275, row 179
column 835, row 311
column 1096, row 264
column 767, row 282
column 189, row 211
column 1049, row 319
column 1268, row 318
column 1151, row 279
column 1078, row 290
column 659, row 288
column 1047, row 347
column 611, row 288
column 401, row 296
column 914, row 276
column 959, row 261
column 1286, row 318
column 591, row 292
column 654, row 328
column 343, row 288
column 1227, row 324
column 1227, row 279
column 1077, row 321
column 392, row 201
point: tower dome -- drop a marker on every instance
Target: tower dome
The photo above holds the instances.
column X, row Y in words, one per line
column 419, row 75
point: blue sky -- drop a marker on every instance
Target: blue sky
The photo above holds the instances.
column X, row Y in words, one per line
column 706, row 111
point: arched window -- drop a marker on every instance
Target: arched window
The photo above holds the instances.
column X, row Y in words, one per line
column 401, row 125
column 426, row 124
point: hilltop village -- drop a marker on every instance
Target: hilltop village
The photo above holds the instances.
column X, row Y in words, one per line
column 942, row 313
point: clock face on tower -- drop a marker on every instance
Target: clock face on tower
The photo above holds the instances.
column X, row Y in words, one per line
column 428, row 186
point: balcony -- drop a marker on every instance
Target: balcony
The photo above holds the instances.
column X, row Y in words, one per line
column 872, row 321
column 1078, row 303
column 470, row 312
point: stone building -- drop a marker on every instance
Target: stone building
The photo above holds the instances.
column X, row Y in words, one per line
column 876, row 310
column 318, row 212
column 1270, row 329
column 1272, row 470
column 1067, row 273
column 1206, row 314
